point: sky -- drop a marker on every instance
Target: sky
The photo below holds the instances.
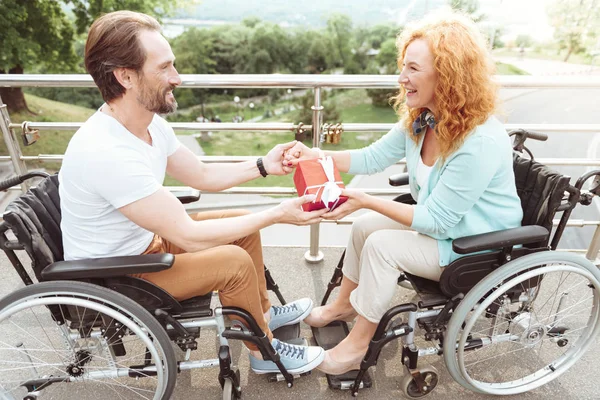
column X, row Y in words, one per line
column 520, row 16
column 514, row 16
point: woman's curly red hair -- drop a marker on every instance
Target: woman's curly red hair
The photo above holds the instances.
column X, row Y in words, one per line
column 466, row 94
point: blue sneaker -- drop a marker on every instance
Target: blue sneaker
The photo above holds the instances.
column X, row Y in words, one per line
column 296, row 359
column 290, row 313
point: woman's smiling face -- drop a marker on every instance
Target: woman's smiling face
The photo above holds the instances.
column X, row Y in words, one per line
column 418, row 76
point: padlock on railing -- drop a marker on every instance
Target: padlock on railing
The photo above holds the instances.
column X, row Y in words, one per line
column 325, row 137
column 337, row 133
column 300, row 134
column 29, row 136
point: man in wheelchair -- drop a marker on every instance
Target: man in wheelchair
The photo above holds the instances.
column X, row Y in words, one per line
column 113, row 202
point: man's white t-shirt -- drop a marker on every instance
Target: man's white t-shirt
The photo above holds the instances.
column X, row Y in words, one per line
column 106, row 167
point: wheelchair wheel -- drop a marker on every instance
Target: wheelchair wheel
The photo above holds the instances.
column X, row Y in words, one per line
column 230, row 392
column 73, row 340
column 410, row 386
column 525, row 324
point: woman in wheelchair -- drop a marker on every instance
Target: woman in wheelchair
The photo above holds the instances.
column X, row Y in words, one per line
column 460, row 166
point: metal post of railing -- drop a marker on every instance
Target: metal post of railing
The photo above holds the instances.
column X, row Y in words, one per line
column 594, row 247
column 14, row 150
column 314, row 255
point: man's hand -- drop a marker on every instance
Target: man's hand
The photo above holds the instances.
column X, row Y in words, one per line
column 299, row 152
column 356, row 201
column 274, row 161
column 290, row 212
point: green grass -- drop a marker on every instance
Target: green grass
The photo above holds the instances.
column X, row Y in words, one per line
column 509, row 69
column 50, row 142
column 544, row 54
column 259, row 143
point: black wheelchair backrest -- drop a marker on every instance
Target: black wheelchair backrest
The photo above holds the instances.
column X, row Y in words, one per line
column 34, row 218
column 540, row 189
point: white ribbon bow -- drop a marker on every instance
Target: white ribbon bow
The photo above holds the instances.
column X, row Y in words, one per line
column 331, row 190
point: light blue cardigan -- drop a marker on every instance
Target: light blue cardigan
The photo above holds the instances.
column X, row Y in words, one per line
column 473, row 192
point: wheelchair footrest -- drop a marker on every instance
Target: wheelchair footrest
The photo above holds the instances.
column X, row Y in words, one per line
column 346, row 381
column 289, row 334
column 328, row 337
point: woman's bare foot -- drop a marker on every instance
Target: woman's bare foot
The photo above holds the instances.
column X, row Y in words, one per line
column 342, row 358
column 322, row 316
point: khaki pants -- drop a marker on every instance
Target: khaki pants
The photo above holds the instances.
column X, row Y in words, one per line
column 379, row 249
column 236, row 270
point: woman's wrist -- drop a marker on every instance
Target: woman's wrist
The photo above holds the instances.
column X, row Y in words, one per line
column 318, row 152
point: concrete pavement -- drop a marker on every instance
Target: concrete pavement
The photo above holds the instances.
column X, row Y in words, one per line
column 297, row 278
column 540, row 67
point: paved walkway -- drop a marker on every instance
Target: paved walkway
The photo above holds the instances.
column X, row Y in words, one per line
column 191, row 143
column 539, row 67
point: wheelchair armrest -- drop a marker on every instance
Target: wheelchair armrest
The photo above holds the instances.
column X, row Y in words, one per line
column 399, row 179
column 500, row 239
column 187, row 195
column 107, row 267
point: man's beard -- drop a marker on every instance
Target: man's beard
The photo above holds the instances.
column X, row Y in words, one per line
column 155, row 100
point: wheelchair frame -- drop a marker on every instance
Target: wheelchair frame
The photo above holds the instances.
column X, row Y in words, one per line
column 440, row 301
column 441, row 312
column 174, row 322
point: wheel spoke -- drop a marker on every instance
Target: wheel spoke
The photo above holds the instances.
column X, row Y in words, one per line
column 99, row 364
column 528, row 302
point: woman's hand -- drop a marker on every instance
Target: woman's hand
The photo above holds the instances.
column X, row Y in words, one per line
column 275, row 162
column 299, row 152
column 356, row 200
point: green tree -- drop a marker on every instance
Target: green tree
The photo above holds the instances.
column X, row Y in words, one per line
column 388, row 65
column 523, row 41
column 496, row 42
column 33, row 32
column 86, row 11
column 38, row 33
column 470, row 7
column 194, row 50
column 575, row 23
column 339, row 30
column 300, row 43
column 230, row 48
column 269, row 49
column 318, row 55
column 387, row 58
column 251, row 22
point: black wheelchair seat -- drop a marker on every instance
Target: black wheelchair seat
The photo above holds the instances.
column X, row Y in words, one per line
column 35, row 218
column 541, row 191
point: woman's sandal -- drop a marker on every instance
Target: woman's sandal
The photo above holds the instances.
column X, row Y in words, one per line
column 315, row 318
column 333, row 367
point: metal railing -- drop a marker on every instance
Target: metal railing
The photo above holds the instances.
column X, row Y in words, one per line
column 315, row 82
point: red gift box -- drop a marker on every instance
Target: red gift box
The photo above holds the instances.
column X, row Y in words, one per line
column 310, row 178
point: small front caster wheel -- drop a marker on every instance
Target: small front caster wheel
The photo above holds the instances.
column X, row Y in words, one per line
column 562, row 342
column 230, row 392
column 411, row 388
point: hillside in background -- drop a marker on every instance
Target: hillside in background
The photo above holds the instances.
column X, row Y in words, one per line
column 313, row 13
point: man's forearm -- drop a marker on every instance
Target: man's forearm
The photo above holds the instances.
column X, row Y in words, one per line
column 221, row 176
column 210, row 233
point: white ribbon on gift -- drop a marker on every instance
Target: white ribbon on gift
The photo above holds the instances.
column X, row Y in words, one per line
column 331, row 190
